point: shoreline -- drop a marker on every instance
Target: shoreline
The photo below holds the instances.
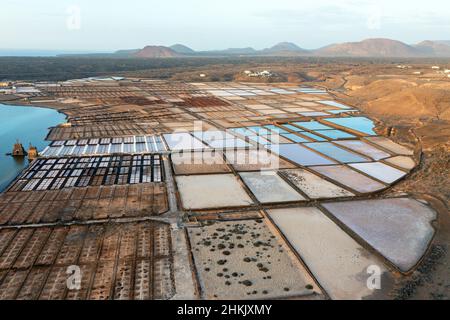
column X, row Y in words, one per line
column 45, row 140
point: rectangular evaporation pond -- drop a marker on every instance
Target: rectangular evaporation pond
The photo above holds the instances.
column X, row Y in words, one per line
column 335, row 134
column 300, row 155
column 359, row 124
column 211, row 191
column 276, row 129
column 341, row 111
column 293, row 137
column 259, row 130
column 380, row 171
column 269, row 187
column 312, row 91
column 312, row 125
column 198, row 163
column 364, row 148
column 213, row 135
column 293, row 128
column 243, row 131
column 335, row 259
column 313, row 136
column 350, row 178
column 391, row 146
column 335, row 104
column 229, row 143
column 337, row 153
column 259, row 140
column 182, row 141
column 400, row 229
column 314, row 186
column 286, row 278
column 314, row 114
column 282, row 91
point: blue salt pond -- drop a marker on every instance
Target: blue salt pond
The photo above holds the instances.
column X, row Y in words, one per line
column 276, row 129
column 300, row 155
column 312, row 125
column 292, row 128
column 335, row 134
column 294, row 137
column 313, row 136
column 335, row 152
column 360, row 124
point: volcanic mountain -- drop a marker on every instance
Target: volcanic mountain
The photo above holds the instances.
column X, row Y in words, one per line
column 181, row 48
column 435, row 48
column 156, row 52
column 371, row 48
column 284, row 48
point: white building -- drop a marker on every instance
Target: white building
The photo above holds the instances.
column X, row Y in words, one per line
column 265, row 74
column 435, row 67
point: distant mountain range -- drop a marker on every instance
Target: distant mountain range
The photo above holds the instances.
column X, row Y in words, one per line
column 370, row 48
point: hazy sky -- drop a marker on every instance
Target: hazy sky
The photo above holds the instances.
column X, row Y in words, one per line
column 103, row 25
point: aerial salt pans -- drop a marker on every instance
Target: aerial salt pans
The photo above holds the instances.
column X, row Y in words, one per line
column 229, row 144
column 294, row 138
column 255, row 159
column 391, row 146
column 314, row 114
column 335, row 134
column 59, row 173
column 335, row 152
column 400, row 229
column 293, row 128
column 312, row 125
column 296, row 109
column 211, row 191
column 360, row 124
column 212, row 135
column 268, row 187
column 182, row 141
column 364, row 148
column 338, row 262
column 262, row 135
column 199, row 162
column 220, row 139
column 245, row 260
column 104, row 146
column 402, row 162
column 300, row 154
column 335, row 104
column 341, row 111
column 350, row 178
column 312, row 136
column 314, row 186
column 379, row 171
column 311, row 90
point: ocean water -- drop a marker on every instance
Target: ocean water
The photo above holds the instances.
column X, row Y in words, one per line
column 28, row 125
